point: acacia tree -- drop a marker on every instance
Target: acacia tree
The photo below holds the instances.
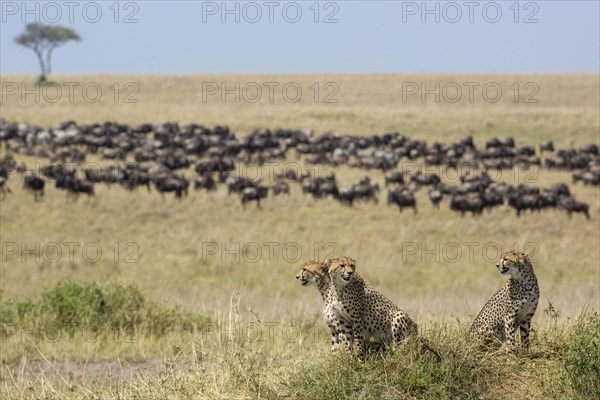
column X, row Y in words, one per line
column 43, row 39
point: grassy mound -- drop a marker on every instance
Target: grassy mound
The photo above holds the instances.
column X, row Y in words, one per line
column 563, row 363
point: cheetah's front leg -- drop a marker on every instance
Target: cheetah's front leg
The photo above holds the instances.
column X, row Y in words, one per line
column 359, row 343
column 525, row 327
column 335, row 338
column 510, row 327
column 335, row 326
column 345, row 329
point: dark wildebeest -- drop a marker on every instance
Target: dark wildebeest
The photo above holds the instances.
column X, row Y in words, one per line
column 327, row 188
column 571, row 205
column 172, row 183
column 588, row 177
column 280, row 187
column 3, row 187
column 435, row 195
column 35, row 184
column 590, row 149
column 135, row 177
column 549, row 195
column 546, row 146
column 394, row 177
column 206, row 182
column 236, row 184
column 366, row 189
column 3, row 181
column 403, row 198
column 54, row 171
column 469, row 202
column 254, row 193
column 74, row 186
column 288, row 174
column 526, row 201
column 346, row 195
column 320, row 187
column 110, row 174
column 492, row 198
column 425, row 179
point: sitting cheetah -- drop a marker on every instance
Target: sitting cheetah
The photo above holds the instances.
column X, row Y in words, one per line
column 362, row 311
column 512, row 306
column 315, row 273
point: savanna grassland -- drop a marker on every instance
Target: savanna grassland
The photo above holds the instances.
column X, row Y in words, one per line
column 215, row 311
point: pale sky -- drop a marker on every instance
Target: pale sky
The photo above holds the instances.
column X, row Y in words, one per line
column 309, row 36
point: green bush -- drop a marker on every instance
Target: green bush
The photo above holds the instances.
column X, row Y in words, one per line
column 582, row 358
column 103, row 307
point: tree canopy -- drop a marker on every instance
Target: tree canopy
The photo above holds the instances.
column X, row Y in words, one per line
column 43, row 39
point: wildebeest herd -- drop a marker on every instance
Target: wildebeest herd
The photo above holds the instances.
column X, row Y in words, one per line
column 161, row 156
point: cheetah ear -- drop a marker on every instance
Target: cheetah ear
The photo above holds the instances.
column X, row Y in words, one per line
column 326, row 263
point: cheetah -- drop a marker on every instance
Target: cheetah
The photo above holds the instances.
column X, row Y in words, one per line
column 511, row 307
column 362, row 311
column 315, row 273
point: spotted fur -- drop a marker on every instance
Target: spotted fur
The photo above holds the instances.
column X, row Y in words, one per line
column 316, row 273
column 362, row 311
column 512, row 307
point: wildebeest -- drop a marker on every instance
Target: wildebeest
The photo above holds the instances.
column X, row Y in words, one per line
column 113, row 154
column 523, row 188
column 218, row 165
column 3, row 187
column 135, row 176
column 326, row 188
column 366, row 189
column 254, row 193
column 346, row 195
column 35, row 184
column 280, row 187
column 167, row 147
column 571, row 205
column 74, row 186
column 546, row 146
column 289, row 174
column 54, row 171
column 524, row 201
column 172, row 183
column 469, row 202
column 500, row 142
column 236, row 184
column 425, row 179
column 110, row 174
column 394, row 177
column 590, row 149
column 435, row 195
column 549, row 195
column 206, row 182
column 4, row 169
column 403, row 198
column 492, row 198
column 588, row 177
column 320, row 187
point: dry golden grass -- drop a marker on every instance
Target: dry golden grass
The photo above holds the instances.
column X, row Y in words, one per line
column 433, row 263
column 566, row 109
column 169, row 234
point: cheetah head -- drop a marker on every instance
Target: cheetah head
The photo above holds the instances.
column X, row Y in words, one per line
column 513, row 263
column 312, row 273
column 341, row 269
